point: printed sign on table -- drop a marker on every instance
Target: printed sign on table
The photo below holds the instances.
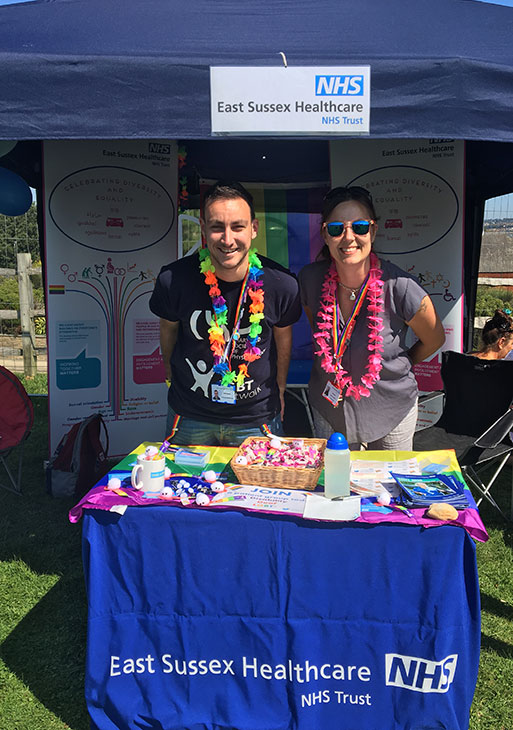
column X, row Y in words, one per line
column 110, row 224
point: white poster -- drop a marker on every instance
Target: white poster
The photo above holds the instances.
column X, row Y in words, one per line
column 417, row 188
column 110, row 224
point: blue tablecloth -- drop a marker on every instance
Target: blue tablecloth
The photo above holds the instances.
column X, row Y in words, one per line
column 208, row 620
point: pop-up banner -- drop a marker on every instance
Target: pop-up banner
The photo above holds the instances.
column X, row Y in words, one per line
column 110, row 224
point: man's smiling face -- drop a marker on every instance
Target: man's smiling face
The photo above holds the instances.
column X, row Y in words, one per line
column 228, row 231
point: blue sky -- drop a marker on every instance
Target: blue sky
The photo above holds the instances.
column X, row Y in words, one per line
column 509, row 3
column 499, row 207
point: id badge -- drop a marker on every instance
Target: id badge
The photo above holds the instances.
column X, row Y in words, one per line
column 332, row 394
column 223, row 394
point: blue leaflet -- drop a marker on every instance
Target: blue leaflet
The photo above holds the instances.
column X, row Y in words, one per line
column 424, row 490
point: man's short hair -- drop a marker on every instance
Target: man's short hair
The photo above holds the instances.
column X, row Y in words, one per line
column 228, row 190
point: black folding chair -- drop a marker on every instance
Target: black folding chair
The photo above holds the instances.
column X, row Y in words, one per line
column 16, row 420
column 476, row 420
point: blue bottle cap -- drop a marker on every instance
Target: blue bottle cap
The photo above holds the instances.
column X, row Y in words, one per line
column 337, row 441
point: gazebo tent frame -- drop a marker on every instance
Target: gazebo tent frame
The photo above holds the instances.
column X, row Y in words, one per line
column 119, row 69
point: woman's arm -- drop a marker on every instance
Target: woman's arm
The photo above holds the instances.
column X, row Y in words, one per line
column 429, row 330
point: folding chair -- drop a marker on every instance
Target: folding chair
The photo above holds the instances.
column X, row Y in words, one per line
column 16, row 420
column 476, row 420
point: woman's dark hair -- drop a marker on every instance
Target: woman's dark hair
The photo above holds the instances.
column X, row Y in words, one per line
column 342, row 195
column 500, row 325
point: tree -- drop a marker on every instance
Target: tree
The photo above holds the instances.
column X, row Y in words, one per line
column 19, row 235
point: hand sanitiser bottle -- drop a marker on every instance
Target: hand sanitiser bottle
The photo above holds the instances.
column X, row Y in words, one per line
column 337, row 467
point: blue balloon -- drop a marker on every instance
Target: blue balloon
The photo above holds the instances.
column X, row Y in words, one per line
column 6, row 145
column 15, row 194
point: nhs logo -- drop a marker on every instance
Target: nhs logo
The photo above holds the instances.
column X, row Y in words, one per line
column 159, row 148
column 420, row 675
column 334, row 85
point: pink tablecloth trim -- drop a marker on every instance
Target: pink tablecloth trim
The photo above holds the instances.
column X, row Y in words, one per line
column 467, row 518
column 100, row 498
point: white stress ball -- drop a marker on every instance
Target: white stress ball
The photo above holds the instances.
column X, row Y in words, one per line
column 241, row 460
column 275, row 444
column 218, row 487
column 114, row 483
column 384, row 498
column 167, row 472
column 151, row 451
column 167, row 492
column 210, row 476
column 202, row 499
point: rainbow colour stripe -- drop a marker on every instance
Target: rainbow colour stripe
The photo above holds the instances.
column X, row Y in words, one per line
column 56, row 289
column 289, row 224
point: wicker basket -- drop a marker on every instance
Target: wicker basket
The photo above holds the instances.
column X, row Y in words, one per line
column 286, row 477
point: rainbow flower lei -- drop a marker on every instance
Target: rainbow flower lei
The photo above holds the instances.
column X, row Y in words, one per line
column 324, row 338
column 252, row 286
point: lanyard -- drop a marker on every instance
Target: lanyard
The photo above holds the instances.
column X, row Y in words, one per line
column 239, row 312
column 341, row 342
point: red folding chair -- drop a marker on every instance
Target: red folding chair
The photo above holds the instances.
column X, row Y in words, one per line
column 16, row 420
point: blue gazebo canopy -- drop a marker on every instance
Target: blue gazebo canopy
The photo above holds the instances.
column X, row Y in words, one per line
column 124, row 69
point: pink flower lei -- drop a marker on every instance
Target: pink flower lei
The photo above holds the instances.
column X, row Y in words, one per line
column 324, row 335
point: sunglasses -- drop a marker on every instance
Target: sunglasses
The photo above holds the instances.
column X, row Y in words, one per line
column 337, row 228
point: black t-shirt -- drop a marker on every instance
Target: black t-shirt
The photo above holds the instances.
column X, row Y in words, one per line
column 181, row 294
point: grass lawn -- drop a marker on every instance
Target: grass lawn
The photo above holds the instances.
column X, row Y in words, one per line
column 43, row 608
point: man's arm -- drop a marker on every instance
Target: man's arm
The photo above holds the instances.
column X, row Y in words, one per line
column 168, row 335
column 283, row 339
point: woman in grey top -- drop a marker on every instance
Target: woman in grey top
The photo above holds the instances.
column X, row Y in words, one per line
column 360, row 308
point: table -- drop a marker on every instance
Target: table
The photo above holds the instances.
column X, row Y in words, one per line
column 209, row 620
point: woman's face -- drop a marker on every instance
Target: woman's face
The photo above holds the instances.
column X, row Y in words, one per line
column 349, row 248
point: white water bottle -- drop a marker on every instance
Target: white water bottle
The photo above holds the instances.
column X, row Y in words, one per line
column 337, row 467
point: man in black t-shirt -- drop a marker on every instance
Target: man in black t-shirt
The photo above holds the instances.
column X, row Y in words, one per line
column 227, row 376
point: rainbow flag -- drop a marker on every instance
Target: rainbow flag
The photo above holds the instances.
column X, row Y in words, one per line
column 289, row 224
column 56, row 289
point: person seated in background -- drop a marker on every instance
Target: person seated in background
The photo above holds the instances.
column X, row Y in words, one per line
column 497, row 337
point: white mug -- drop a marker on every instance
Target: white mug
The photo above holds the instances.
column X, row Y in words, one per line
column 148, row 475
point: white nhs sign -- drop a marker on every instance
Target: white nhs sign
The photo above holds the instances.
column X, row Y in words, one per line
column 290, row 100
column 338, row 85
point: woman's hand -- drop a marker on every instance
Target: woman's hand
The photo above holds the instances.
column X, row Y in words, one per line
column 429, row 330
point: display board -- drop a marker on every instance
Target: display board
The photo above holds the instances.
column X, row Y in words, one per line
column 110, row 224
column 417, row 188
